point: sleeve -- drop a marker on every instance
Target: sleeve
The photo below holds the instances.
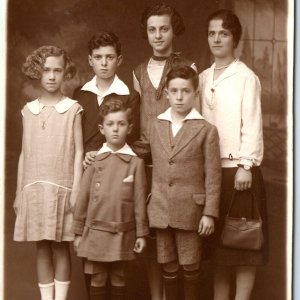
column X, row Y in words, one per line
column 140, row 200
column 82, row 200
column 251, row 149
column 136, row 84
column 142, row 146
column 134, row 103
column 212, row 167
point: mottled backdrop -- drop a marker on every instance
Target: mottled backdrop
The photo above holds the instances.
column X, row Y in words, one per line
column 70, row 24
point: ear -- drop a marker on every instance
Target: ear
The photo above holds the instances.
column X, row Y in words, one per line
column 100, row 127
column 90, row 60
column 129, row 128
column 119, row 60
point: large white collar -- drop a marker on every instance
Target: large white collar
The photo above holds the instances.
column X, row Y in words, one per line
column 61, row 107
column 124, row 150
column 117, row 87
column 192, row 115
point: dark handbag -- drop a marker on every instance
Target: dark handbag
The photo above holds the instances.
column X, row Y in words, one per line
column 242, row 233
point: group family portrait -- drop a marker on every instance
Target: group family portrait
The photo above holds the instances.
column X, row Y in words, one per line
column 146, row 150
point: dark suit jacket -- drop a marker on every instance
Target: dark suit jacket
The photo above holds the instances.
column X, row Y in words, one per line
column 92, row 138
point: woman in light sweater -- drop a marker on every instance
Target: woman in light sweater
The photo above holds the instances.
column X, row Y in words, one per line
column 230, row 99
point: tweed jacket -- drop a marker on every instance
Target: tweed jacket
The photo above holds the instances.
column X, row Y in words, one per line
column 186, row 178
column 112, row 196
column 92, row 139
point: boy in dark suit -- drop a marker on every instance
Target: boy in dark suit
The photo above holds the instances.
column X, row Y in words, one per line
column 186, row 182
column 104, row 57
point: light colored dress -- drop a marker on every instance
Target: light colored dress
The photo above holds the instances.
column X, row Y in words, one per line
column 47, row 173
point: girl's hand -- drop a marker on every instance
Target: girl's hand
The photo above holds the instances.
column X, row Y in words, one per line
column 242, row 179
column 76, row 242
column 140, row 245
column 72, row 201
column 17, row 203
column 89, row 158
column 206, row 226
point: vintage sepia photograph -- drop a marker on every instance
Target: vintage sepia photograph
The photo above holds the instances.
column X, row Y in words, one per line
column 147, row 150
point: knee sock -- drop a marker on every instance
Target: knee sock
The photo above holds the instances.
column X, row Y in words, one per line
column 61, row 289
column 171, row 285
column 117, row 292
column 191, row 284
column 47, row 291
column 97, row 293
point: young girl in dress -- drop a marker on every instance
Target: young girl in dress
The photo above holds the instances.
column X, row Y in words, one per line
column 230, row 99
column 49, row 170
column 110, row 220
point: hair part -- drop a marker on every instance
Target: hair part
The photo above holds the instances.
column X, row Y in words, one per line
column 34, row 64
column 114, row 105
column 230, row 21
column 160, row 9
column 103, row 39
column 184, row 72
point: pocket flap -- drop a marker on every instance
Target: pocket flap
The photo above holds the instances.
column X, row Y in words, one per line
column 199, row 199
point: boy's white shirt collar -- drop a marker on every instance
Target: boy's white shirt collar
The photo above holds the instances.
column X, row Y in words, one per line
column 117, row 87
column 192, row 115
column 61, row 107
column 124, row 150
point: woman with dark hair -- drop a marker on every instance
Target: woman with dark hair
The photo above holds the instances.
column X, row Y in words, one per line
column 230, row 99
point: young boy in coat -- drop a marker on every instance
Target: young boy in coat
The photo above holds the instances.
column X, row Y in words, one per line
column 186, row 182
column 110, row 219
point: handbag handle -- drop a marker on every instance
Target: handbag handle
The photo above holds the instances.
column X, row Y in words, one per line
column 254, row 203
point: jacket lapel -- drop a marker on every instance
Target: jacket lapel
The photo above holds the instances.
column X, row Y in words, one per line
column 188, row 131
column 163, row 132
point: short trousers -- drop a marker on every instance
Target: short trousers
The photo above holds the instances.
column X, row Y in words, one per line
column 183, row 246
column 95, row 267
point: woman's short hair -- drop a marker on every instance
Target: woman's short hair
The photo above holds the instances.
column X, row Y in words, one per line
column 184, row 72
column 103, row 39
column 34, row 64
column 114, row 105
column 229, row 21
column 159, row 9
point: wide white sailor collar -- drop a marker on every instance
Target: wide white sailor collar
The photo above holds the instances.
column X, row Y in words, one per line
column 61, row 107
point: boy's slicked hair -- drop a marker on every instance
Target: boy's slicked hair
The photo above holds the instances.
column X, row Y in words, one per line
column 159, row 9
column 229, row 21
column 102, row 39
column 115, row 105
column 184, row 72
column 34, row 64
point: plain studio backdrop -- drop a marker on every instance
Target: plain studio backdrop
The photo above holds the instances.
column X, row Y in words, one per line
column 70, row 24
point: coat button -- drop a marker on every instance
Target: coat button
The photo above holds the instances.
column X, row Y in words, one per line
column 171, row 184
column 171, row 162
column 97, row 184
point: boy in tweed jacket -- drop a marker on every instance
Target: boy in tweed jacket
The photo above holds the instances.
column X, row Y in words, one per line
column 186, row 182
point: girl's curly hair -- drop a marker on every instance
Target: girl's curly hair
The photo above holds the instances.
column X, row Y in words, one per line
column 33, row 66
column 159, row 9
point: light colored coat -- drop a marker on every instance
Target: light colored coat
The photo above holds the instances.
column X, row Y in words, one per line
column 186, row 178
